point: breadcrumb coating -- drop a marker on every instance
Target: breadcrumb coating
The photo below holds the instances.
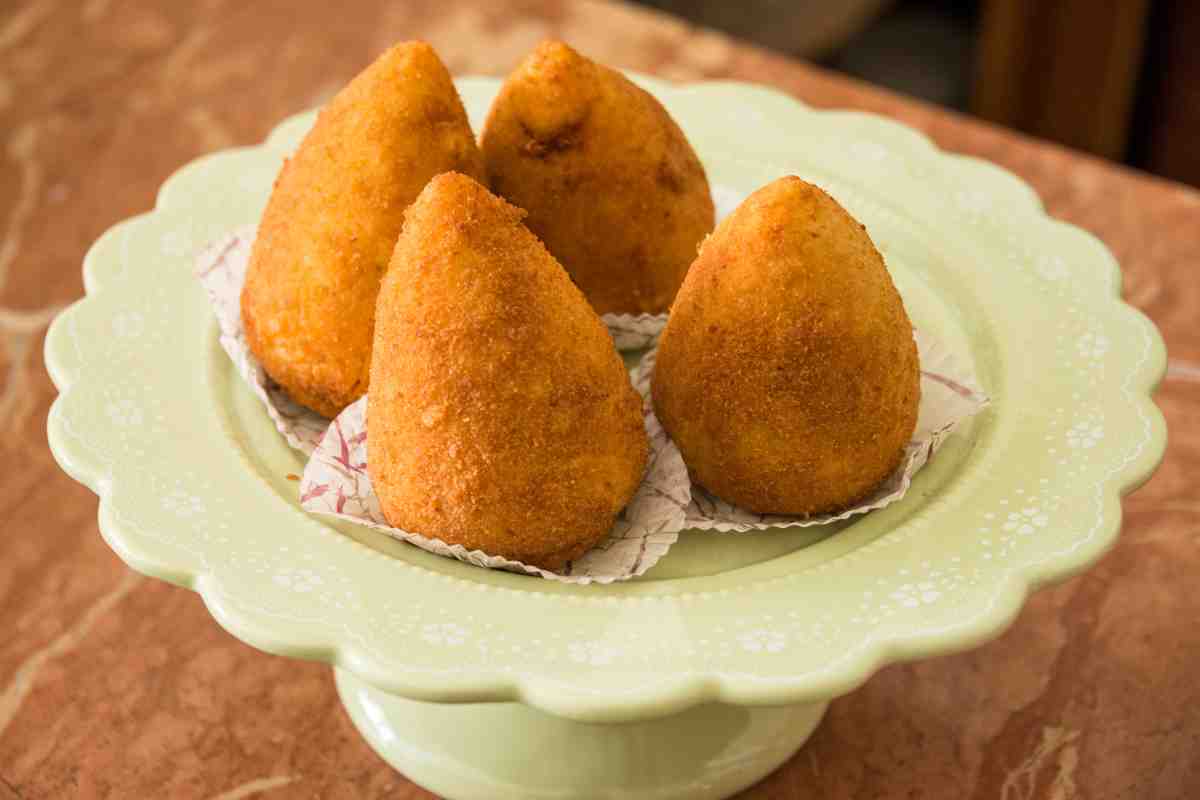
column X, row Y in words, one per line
column 787, row 373
column 500, row 416
column 324, row 241
column 610, row 182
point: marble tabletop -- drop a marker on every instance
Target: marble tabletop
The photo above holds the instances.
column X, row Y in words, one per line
column 115, row 685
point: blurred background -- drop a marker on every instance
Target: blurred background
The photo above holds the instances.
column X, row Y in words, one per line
column 1118, row 78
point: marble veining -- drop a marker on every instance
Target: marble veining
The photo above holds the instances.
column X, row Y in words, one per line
column 23, row 679
column 255, row 787
column 113, row 686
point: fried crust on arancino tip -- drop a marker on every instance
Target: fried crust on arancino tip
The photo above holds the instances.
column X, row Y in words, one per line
column 327, row 234
column 611, row 184
column 501, row 417
column 787, row 373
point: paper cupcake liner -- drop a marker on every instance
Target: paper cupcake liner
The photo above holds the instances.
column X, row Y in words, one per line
column 949, row 396
column 634, row 331
column 221, row 268
column 337, row 483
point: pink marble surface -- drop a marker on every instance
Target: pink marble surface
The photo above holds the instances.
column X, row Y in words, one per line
column 112, row 685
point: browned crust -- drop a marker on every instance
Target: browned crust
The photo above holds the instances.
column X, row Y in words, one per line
column 500, row 416
column 787, row 373
column 611, row 184
column 323, row 243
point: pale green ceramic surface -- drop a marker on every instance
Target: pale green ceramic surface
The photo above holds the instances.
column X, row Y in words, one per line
column 192, row 475
column 509, row 751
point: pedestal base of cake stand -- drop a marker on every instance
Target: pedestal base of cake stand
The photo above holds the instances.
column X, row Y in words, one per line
column 503, row 751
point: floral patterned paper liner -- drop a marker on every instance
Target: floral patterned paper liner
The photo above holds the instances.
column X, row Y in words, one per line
column 949, row 396
column 634, row 331
column 336, row 483
column 221, row 268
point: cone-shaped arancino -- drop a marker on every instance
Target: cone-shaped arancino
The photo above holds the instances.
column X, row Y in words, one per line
column 500, row 416
column 324, row 241
column 611, row 184
column 787, row 373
